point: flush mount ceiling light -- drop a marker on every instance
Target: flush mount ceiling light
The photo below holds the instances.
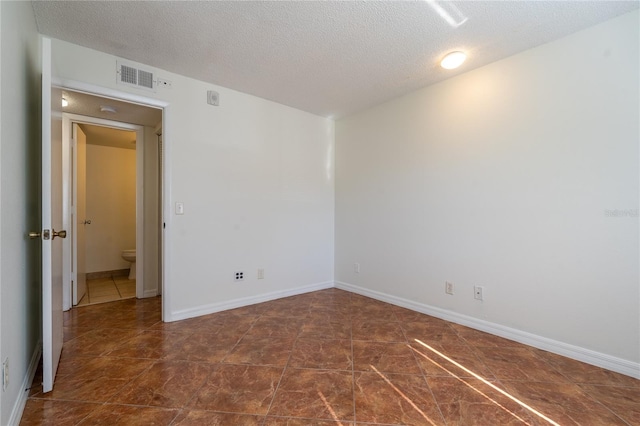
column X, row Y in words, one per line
column 65, row 102
column 107, row 108
column 453, row 60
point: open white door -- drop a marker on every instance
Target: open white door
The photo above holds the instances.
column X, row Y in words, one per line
column 79, row 213
column 51, row 222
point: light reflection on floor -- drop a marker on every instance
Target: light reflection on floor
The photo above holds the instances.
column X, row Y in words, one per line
column 482, row 379
column 329, row 408
column 405, row 397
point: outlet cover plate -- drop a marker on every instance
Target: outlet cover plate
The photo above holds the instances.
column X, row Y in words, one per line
column 448, row 287
column 478, row 292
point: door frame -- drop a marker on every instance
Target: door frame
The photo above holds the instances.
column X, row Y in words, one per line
column 165, row 106
column 70, row 195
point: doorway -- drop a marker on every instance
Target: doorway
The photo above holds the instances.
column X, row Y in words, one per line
column 124, row 149
column 104, row 171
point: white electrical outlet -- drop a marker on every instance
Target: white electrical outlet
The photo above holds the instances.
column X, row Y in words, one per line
column 356, row 268
column 261, row 274
column 477, row 292
column 5, row 374
column 448, row 287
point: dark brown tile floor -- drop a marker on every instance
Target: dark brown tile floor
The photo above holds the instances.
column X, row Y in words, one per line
column 323, row 358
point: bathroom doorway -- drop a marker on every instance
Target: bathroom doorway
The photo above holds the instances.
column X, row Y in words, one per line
column 112, row 203
column 105, row 159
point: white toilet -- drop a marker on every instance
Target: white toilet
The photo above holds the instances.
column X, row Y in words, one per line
column 130, row 256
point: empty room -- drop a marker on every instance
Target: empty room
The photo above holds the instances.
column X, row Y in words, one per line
column 320, row 213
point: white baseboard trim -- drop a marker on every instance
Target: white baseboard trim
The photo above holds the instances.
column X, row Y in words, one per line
column 588, row 356
column 21, row 401
column 246, row 301
column 150, row 293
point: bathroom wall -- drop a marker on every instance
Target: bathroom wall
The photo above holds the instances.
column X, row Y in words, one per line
column 111, row 206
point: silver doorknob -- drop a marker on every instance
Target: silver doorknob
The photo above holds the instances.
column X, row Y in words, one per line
column 61, row 234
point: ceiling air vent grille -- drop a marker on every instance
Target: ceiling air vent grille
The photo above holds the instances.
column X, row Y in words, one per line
column 145, row 79
column 128, row 75
column 135, row 77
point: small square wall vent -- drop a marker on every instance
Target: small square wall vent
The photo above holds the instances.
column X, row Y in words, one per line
column 134, row 77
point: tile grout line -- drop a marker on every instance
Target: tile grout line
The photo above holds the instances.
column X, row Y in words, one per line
column 353, row 365
column 116, row 286
column 284, row 370
column 222, row 361
column 588, row 395
column 219, row 363
column 185, row 406
column 132, row 379
column 422, row 372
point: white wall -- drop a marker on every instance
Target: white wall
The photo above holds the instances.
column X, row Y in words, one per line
column 256, row 180
column 502, row 177
column 111, row 206
column 19, row 155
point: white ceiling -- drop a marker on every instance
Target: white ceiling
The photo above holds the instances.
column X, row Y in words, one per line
column 106, row 136
column 90, row 105
column 326, row 57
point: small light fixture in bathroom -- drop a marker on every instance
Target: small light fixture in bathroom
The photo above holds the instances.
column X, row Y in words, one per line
column 453, row 60
column 65, row 102
column 107, row 108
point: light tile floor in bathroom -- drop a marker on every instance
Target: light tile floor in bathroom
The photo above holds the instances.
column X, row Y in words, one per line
column 324, row 358
column 102, row 290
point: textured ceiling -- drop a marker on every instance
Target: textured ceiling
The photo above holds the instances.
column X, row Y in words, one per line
column 329, row 58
